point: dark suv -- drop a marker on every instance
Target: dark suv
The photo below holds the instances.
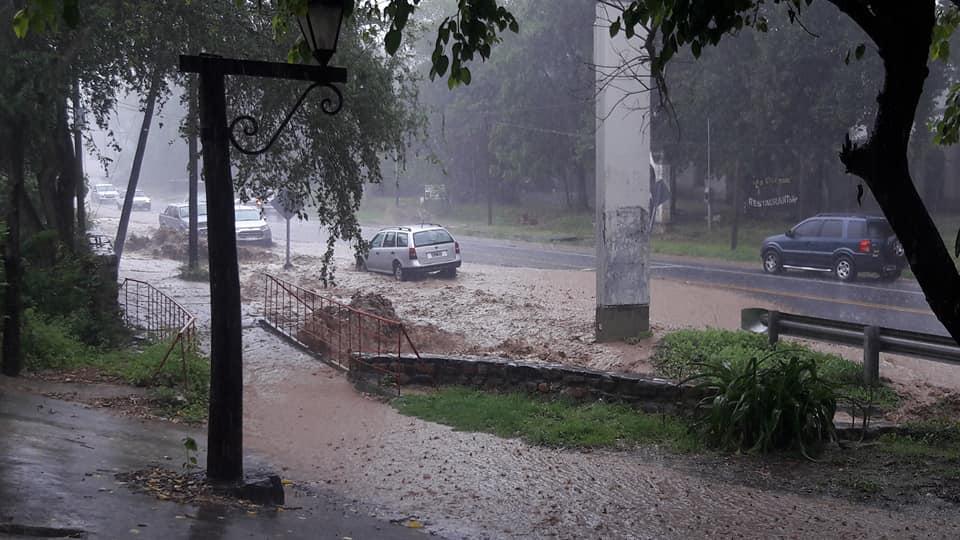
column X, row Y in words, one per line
column 844, row 244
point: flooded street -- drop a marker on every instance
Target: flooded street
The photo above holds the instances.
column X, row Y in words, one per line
column 308, row 419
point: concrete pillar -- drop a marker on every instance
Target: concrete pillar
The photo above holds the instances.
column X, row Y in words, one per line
column 623, row 190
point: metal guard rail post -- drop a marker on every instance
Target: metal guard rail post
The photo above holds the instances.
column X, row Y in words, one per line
column 873, row 339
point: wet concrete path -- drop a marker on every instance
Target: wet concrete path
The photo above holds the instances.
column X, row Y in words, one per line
column 57, row 467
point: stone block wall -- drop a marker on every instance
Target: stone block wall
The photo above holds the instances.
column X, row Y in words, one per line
column 500, row 374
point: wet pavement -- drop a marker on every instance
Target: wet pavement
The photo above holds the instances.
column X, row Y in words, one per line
column 57, row 467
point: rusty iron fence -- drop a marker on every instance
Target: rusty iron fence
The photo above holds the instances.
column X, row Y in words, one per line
column 160, row 318
column 341, row 334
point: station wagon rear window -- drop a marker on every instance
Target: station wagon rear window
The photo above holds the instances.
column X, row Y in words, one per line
column 432, row 238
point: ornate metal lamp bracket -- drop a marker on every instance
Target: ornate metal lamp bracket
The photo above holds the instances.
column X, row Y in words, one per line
column 329, row 105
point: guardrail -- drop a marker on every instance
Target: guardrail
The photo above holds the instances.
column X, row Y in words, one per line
column 342, row 335
column 873, row 339
column 160, row 318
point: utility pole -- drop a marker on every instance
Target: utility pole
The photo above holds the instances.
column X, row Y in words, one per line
column 706, row 183
column 623, row 194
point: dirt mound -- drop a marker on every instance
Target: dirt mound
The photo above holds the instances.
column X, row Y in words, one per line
column 940, row 404
column 374, row 303
column 427, row 338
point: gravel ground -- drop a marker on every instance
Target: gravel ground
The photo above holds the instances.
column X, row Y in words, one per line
column 464, row 485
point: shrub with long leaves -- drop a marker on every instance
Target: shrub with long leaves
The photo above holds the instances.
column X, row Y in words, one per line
column 766, row 404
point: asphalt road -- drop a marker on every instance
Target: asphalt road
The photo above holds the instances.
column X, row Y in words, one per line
column 868, row 301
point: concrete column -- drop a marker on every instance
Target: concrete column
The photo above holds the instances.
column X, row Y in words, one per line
column 623, row 190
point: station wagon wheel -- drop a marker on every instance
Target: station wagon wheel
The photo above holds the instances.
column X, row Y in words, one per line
column 771, row 262
column 843, row 268
column 398, row 272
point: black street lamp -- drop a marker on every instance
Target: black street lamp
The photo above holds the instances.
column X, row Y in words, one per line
column 321, row 28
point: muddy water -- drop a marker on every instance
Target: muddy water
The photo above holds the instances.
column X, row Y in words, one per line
column 304, row 416
column 464, row 485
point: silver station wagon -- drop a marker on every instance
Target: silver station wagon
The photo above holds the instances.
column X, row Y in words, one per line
column 412, row 251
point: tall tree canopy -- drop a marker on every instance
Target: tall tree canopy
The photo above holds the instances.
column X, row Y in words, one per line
column 904, row 35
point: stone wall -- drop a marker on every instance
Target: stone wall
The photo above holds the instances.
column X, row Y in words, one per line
column 491, row 373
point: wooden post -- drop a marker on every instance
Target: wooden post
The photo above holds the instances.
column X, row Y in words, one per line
column 871, row 356
column 193, row 259
column 773, row 327
column 225, row 426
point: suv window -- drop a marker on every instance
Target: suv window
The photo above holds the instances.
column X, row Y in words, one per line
column 856, row 229
column 878, row 228
column 377, row 240
column 184, row 211
column 832, row 228
column 390, row 240
column 432, row 237
column 808, row 228
column 402, row 239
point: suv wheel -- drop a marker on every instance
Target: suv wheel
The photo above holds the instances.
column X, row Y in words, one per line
column 398, row 272
column 843, row 268
column 771, row 262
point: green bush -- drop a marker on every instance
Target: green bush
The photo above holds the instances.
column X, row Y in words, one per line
column 50, row 343
column 766, row 403
column 679, row 352
column 73, row 288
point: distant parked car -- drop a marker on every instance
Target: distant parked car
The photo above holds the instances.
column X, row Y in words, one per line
column 176, row 217
column 251, row 226
column 844, row 244
column 411, row 251
column 101, row 193
column 140, row 201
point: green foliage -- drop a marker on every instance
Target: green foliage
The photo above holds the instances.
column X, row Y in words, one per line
column 75, row 289
column 937, row 439
column 49, row 343
column 681, row 353
column 556, row 423
column 189, row 450
column 766, row 404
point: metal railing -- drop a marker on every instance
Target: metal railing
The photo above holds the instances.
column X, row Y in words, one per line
column 341, row 334
column 160, row 318
column 873, row 339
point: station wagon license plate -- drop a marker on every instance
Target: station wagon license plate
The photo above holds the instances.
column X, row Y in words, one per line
column 435, row 254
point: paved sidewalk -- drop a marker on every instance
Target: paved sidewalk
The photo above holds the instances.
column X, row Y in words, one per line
column 57, row 465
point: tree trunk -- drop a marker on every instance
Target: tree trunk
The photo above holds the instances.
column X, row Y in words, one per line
column 673, row 192
column 583, row 194
column 902, row 33
column 13, row 306
column 81, row 190
column 193, row 173
column 137, row 161
column 568, row 200
column 64, row 188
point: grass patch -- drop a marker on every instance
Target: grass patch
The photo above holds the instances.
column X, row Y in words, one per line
column 931, row 439
column 48, row 344
column 557, row 423
column 542, row 223
column 678, row 351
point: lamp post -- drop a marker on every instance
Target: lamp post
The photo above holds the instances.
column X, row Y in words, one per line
column 321, row 28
